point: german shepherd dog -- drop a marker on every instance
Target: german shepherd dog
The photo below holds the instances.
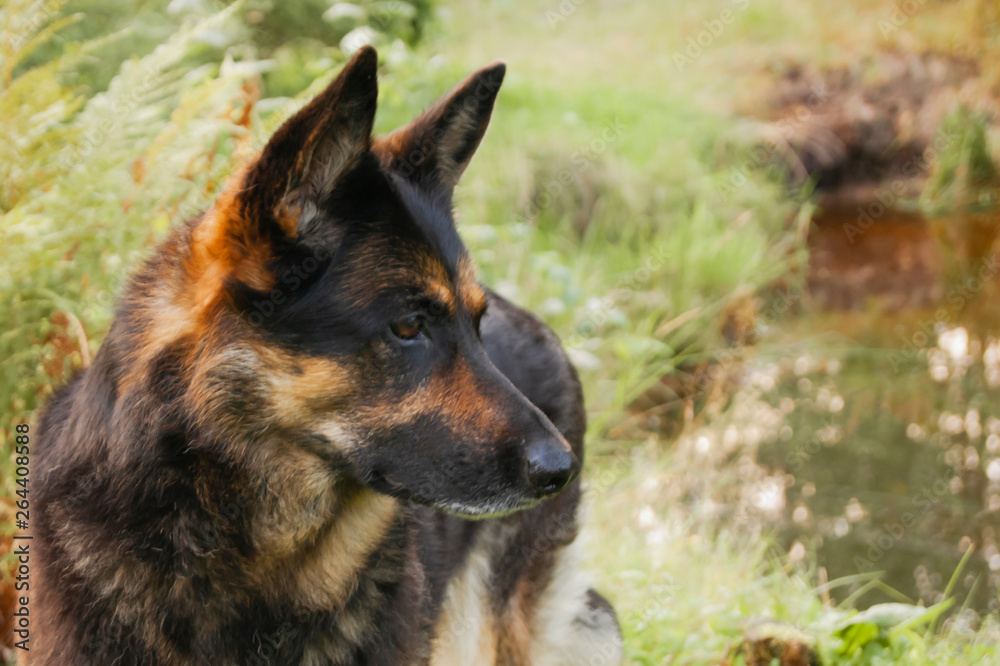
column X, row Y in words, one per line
column 311, row 437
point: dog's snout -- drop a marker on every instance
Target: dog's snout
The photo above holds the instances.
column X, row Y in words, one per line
column 551, row 466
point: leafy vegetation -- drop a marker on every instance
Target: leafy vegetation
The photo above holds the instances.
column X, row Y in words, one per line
column 966, row 176
column 296, row 41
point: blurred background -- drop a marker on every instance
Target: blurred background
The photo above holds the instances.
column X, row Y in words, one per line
column 766, row 231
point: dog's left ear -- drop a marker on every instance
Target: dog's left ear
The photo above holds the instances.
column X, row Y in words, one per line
column 434, row 150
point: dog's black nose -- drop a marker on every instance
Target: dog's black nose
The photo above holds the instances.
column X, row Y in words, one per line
column 550, row 466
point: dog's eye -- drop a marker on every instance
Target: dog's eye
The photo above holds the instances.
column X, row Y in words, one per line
column 408, row 329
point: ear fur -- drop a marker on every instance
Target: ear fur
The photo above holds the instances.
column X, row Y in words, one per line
column 303, row 159
column 274, row 199
column 434, row 150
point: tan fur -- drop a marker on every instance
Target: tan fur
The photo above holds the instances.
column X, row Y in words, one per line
column 319, row 387
column 466, row 631
column 442, row 293
column 472, row 295
column 169, row 322
column 514, row 640
column 453, row 395
column 224, row 244
column 379, row 266
column 323, row 575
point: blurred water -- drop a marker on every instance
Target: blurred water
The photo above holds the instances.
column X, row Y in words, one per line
column 883, row 389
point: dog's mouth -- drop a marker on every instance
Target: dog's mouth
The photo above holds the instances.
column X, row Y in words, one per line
column 504, row 504
column 497, row 510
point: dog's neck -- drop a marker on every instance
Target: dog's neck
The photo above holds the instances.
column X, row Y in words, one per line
column 314, row 544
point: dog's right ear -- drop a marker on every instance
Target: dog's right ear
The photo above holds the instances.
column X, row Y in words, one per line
column 279, row 194
column 303, row 159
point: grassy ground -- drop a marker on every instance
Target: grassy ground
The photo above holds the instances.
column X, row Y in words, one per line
column 595, row 200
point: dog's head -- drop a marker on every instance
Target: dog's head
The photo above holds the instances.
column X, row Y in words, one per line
column 339, row 253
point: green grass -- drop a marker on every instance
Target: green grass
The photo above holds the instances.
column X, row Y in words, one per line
column 690, row 586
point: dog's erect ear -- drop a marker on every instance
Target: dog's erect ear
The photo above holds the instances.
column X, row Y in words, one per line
column 433, row 150
column 277, row 196
column 301, row 162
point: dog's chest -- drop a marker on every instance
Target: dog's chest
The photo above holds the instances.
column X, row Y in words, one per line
column 384, row 621
column 465, row 632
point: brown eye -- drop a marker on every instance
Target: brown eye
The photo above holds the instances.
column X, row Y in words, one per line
column 407, row 329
